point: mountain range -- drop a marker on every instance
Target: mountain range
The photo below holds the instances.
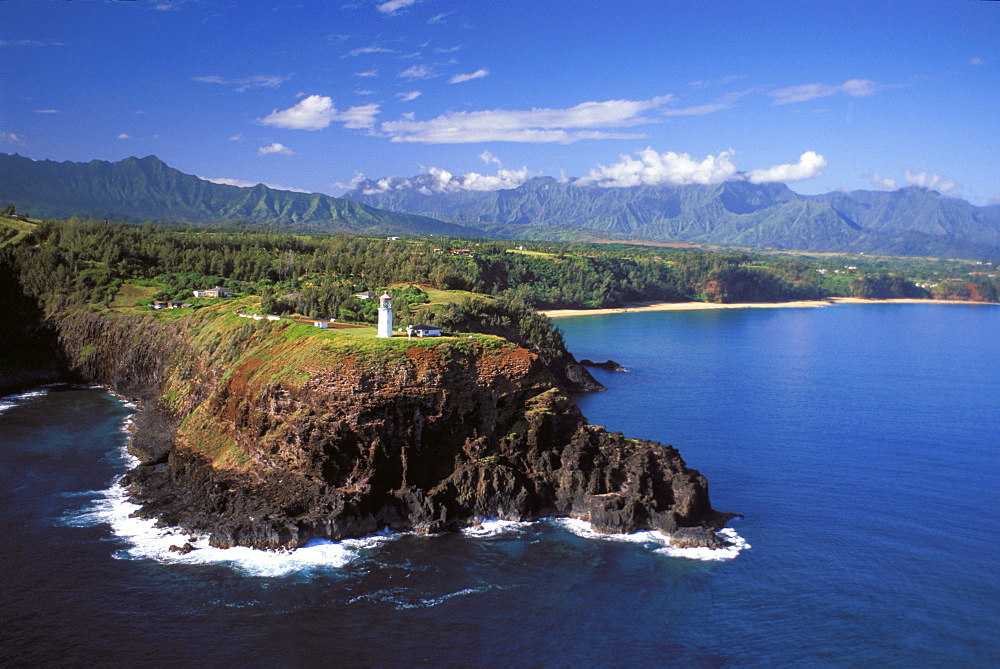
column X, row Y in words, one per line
column 908, row 221
column 141, row 189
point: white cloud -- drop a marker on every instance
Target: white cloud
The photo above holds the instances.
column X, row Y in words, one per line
column 240, row 85
column 361, row 116
column 392, row 6
column 442, row 181
column 725, row 102
column 656, row 169
column 240, row 183
column 316, row 112
column 460, row 78
column 488, row 158
column 417, row 72
column 10, row 138
column 407, row 97
column 30, row 42
column 857, row 88
column 652, row 168
column 565, row 126
column 887, row 183
column 931, row 180
column 810, row 165
column 368, row 49
column 124, row 136
column 275, row 148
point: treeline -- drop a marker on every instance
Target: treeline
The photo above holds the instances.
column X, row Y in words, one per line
column 86, row 262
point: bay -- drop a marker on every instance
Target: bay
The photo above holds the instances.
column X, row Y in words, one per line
column 860, row 442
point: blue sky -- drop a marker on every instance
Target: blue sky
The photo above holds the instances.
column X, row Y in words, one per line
column 484, row 93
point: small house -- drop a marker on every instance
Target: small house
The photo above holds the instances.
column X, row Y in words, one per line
column 218, row 291
column 426, row 330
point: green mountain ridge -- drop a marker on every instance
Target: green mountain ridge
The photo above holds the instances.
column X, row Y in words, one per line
column 909, row 221
column 140, row 189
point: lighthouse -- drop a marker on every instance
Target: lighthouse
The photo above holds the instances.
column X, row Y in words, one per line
column 385, row 316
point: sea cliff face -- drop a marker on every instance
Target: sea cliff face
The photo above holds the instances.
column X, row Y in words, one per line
column 271, row 434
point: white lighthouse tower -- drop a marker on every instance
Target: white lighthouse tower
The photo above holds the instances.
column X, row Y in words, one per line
column 385, row 316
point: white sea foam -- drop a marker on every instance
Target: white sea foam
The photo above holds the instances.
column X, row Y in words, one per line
column 12, row 401
column 146, row 541
column 403, row 598
column 494, row 527
column 659, row 541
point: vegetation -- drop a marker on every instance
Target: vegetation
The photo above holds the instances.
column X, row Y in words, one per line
column 52, row 266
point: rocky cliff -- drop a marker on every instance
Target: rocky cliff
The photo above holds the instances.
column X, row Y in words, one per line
column 271, row 434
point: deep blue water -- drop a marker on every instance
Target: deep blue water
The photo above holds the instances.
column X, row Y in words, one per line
column 861, row 443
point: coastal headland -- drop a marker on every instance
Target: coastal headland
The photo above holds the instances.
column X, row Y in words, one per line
column 272, row 433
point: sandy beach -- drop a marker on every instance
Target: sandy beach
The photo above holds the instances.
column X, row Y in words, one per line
column 691, row 306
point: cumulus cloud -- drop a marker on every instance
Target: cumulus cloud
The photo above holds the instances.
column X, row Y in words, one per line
column 417, row 72
column 275, row 148
column 392, row 6
column 583, row 121
column 245, row 84
column 931, row 180
column 810, row 165
column 887, row 183
column 459, row 78
column 316, row 112
column 857, row 88
column 408, row 96
column 652, row 168
column 240, row 183
column 442, row 181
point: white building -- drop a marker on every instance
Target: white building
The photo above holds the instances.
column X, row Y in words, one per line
column 385, row 316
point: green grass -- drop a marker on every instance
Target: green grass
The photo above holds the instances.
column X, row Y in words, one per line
column 133, row 295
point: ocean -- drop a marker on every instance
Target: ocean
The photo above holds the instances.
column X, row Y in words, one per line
column 860, row 442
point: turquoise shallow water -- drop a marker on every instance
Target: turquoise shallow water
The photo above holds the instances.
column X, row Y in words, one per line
column 860, row 442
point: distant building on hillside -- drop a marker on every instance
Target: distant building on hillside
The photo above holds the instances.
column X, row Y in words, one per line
column 218, row 291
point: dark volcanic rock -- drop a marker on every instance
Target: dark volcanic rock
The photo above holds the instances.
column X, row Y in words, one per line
column 441, row 442
column 608, row 365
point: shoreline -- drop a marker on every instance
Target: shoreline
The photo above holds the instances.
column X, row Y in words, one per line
column 697, row 306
